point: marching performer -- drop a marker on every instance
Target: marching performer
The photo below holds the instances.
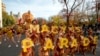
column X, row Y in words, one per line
column 63, row 44
column 48, row 45
column 5, row 33
column 71, row 28
column 27, row 18
column 44, row 31
column 35, row 31
column 10, row 37
column 77, row 29
column 78, row 33
column 73, row 44
column 27, row 45
column 44, row 27
column 54, row 31
column 93, row 41
column 36, row 26
column 94, row 44
column 19, row 31
column 84, row 44
column 63, row 28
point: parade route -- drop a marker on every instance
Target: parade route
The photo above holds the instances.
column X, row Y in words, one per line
column 15, row 51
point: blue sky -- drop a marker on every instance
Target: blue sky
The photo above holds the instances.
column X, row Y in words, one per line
column 39, row 8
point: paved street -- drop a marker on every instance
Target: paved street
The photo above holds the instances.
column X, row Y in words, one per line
column 15, row 51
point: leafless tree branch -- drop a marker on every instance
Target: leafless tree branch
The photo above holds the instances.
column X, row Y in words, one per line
column 74, row 7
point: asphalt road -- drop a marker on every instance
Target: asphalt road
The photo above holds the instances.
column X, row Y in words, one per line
column 15, row 51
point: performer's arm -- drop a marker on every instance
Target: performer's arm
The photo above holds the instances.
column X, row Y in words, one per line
column 38, row 29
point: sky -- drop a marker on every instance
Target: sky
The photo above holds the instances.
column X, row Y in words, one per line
column 39, row 8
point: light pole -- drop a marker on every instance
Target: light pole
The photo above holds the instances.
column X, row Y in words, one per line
column 0, row 14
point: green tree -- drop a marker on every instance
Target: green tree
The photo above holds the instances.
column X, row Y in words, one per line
column 57, row 19
column 8, row 20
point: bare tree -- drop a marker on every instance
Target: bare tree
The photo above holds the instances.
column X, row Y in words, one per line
column 70, row 7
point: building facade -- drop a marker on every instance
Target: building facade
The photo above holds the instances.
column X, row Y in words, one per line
column 3, row 7
column 0, row 13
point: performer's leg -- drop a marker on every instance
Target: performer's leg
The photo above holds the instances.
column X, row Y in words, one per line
column 94, row 50
column 67, row 51
column 40, row 51
column 10, row 42
column 12, row 39
column 78, row 48
column 19, row 38
column 73, row 52
column 31, row 52
column 5, row 37
column 62, row 52
column 83, row 51
column 46, row 53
